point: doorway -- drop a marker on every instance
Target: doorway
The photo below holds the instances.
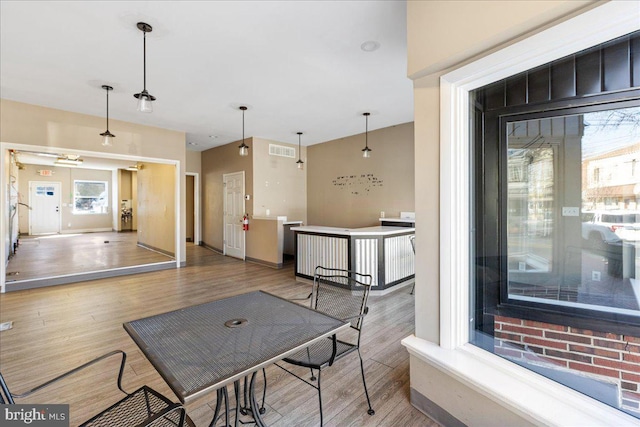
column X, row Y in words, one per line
column 44, row 211
column 234, row 210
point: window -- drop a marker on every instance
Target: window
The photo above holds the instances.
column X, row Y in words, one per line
column 556, row 205
column 90, row 197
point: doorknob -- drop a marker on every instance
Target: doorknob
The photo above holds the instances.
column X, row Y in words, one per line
column 57, row 209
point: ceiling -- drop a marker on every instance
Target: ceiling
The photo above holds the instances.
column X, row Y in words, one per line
column 296, row 65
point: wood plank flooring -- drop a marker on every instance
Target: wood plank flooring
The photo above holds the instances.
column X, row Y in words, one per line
column 58, row 328
column 61, row 254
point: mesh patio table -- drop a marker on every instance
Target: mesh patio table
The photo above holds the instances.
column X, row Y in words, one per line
column 206, row 347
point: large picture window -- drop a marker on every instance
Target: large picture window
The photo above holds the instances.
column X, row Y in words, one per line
column 90, row 197
column 556, row 214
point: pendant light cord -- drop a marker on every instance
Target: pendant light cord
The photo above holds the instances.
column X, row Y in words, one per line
column 366, row 131
column 107, row 110
column 144, row 61
column 243, row 126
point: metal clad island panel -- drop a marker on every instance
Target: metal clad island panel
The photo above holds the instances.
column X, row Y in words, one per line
column 399, row 258
column 367, row 258
column 327, row 251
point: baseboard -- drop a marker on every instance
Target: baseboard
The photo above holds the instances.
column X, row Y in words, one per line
column 433, row 411
column 152, row 248
column 262, row 262
column 213, row 248
column 86, row 230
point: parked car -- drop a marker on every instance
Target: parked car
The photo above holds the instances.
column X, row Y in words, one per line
column 610, row 227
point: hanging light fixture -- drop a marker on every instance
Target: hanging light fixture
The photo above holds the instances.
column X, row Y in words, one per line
column 366, row 151
column 107, row 137
column 244, row 148
column 299, row 163
column 144, row 97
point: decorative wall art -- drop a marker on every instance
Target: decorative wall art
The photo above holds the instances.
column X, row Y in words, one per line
column 358, row 184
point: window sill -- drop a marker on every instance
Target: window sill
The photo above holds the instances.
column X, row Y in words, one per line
column 531, row 396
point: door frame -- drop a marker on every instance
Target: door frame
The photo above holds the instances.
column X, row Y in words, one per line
column 34, row 183
column 224, row 210
column 197, row 239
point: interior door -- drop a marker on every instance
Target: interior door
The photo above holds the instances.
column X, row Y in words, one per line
column 44, row 200
column 234, row 210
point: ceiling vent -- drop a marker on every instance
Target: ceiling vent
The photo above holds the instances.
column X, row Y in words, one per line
column 282, row 151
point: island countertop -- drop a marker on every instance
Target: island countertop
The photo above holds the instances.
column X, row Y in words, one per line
column 368, row 231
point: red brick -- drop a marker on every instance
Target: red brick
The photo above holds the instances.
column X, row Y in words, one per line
column 543, row 325
column 607, row 335
column 631, row 377
column 568, row 356
column 633, row 358
column 629, row 386
column 567, row 337
column 594, row 369
column 522, row 330
column 630, row 338
column 510, row 320
column 545, row 343
column 506, row 336
column 595, row 351
column 609, row 344
column 631, row 367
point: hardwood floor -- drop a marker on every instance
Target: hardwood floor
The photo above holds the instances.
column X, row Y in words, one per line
column 62, row 254
column 58, row 328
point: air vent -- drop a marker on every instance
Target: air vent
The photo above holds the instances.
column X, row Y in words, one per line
column 282, row 151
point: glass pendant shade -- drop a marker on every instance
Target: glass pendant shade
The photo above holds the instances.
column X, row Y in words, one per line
column 366, row 152
column 300, row 164
column 145, row 104
column 107, row 139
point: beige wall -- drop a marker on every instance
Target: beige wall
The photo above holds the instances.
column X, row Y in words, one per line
column 443, row 33
column 40, row 126
column 194, row 161
column 278, row 185
column 156, row 206
column 440, row 35
column 341, row 190
column 265, row 240
column 66, row 177
column 215, row 163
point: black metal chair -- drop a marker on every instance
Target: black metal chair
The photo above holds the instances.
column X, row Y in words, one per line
column 412, row 239
column 143, row 407
column 342, row 294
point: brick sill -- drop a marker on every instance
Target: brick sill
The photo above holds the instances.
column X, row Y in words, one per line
column 527, row 394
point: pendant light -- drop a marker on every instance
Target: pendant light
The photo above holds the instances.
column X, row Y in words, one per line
column 299, row 163
column 144, row 97
column 107, row 137
column 366, row 151
column 244, row 148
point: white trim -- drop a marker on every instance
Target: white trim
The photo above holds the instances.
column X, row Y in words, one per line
column 530, row 395
column 516, row 388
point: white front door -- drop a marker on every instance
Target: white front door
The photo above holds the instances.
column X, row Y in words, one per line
column 44, row 203
column 233, row 213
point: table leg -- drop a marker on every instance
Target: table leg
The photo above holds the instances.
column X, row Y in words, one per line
column 254, row 403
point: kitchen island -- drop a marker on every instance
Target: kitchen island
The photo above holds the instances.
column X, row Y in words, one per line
column 383, row 252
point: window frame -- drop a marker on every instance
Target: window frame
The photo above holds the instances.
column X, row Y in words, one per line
column 75, row 197
column 499, row 303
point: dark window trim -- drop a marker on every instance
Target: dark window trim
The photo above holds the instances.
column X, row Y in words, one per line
column 491, row 296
